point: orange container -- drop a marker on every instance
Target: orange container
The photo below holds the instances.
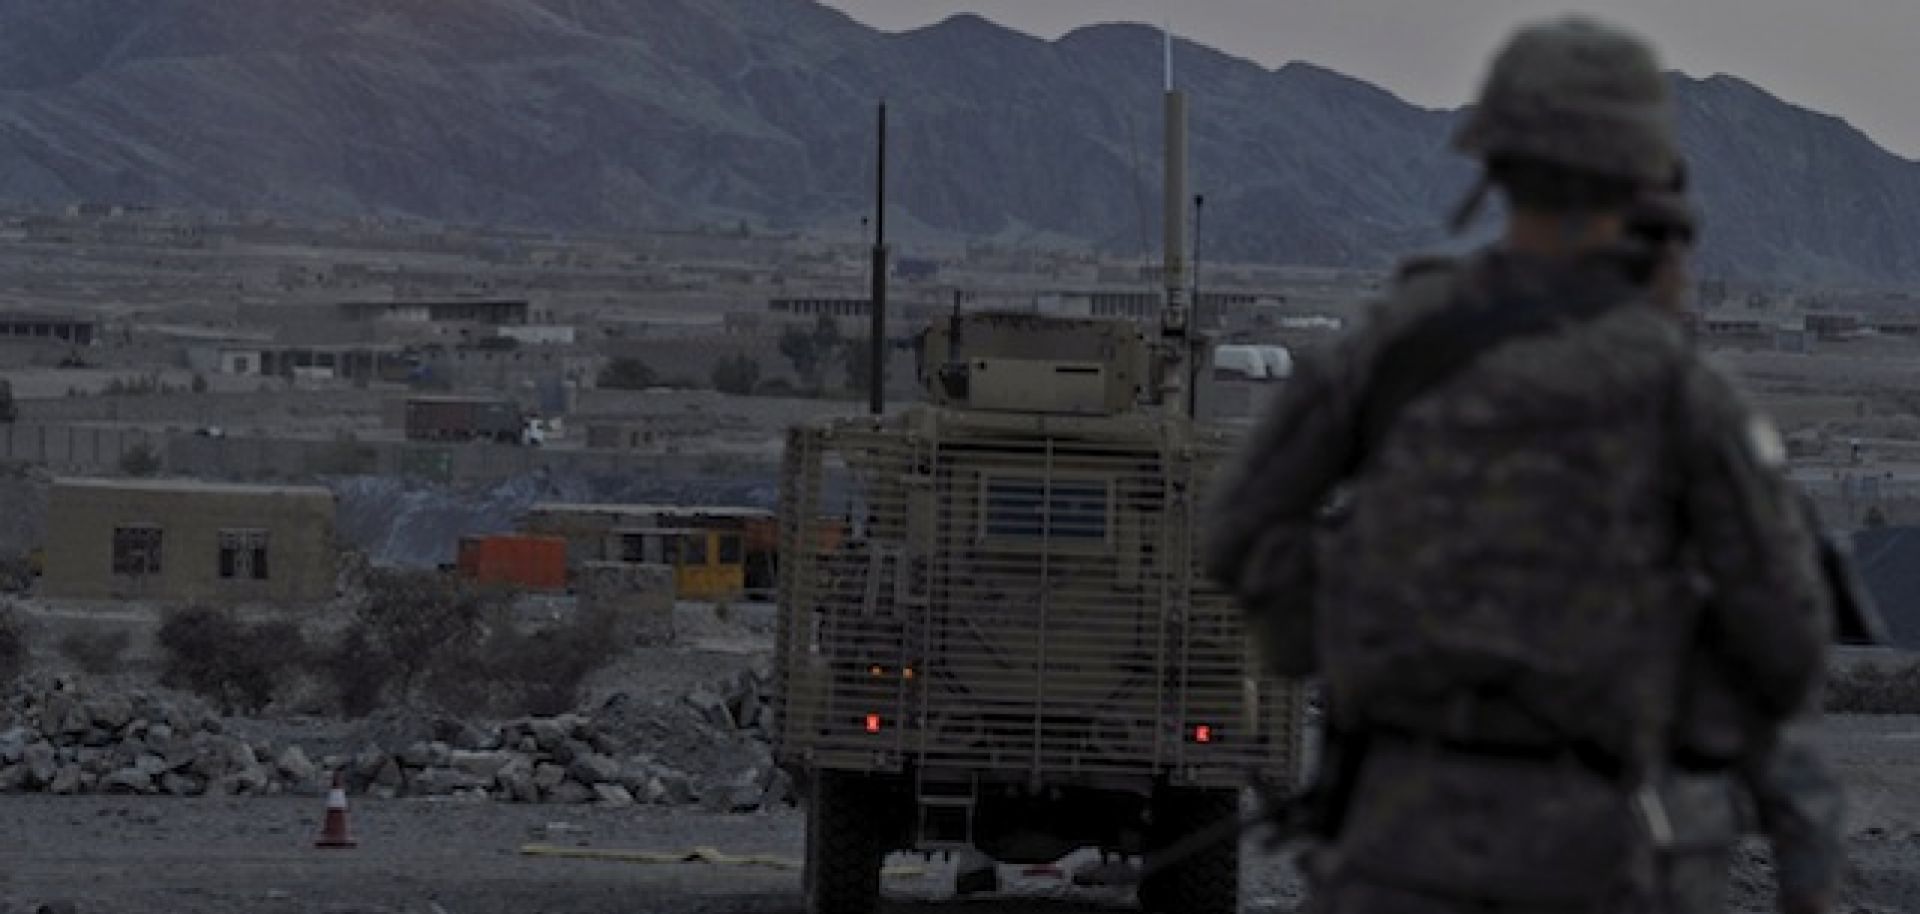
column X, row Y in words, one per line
column 524, row 562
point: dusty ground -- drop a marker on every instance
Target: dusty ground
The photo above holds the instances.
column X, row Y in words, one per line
column 230, row 856
column 106, row 855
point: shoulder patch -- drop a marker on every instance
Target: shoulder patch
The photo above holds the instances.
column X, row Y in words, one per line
column 1763, row 439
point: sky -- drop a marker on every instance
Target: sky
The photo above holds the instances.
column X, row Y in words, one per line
column 1850, row 58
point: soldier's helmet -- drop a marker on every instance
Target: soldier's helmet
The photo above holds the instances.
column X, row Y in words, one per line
column 1580, row 95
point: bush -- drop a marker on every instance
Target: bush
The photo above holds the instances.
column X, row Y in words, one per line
column 737, row 374
column 427, row 636
column 17, row 573
column 140, row 460
column 240, row 665
column 1873, row 690
column 812, row 352
column 96, row 652
column 541, row 672
column 359, row 672
column 13, row 643
column 627, row 374
column 858, row 363
column 411, row 624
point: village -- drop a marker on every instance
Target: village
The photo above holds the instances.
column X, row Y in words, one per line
column 260, row 435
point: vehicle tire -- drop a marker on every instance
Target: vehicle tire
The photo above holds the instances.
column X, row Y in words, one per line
column 1207, row 882
column 846, row 843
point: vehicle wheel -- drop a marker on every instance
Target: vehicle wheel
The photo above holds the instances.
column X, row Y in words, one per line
column 1207, row 882
column 845, row 844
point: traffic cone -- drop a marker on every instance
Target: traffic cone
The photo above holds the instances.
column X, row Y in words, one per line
column 333, row 832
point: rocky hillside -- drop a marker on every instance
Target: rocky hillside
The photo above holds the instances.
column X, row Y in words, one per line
column 631, row 113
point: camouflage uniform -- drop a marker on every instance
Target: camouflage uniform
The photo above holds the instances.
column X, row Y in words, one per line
column 1503, row 603
column 1789, row 795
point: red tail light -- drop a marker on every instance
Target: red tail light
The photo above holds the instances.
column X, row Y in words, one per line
column 873, row 723
column 1202, row 733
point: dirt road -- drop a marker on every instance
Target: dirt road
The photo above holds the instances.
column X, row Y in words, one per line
column 111, row 855
column 120, row 855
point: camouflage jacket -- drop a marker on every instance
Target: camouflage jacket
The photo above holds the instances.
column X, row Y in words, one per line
column 1787, row 793
column 1531, row 534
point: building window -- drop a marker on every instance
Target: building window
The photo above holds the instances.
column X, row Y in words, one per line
column 136, row 549
column 1033, row 509
column 633, row 548
column 243, row 555
column 731, row 551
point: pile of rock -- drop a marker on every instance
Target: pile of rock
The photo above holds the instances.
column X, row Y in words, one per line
column 65, row 743
column 563, row 759
column 709, row 748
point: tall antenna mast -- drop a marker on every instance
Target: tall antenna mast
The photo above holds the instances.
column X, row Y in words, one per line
column 877, row 354
column 1166, row 35
column 1174, row 317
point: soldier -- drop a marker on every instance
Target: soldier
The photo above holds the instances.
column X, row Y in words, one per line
column 1726, row 771
column 1482, row 517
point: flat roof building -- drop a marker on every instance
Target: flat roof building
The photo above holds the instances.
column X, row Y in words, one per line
column 49, row 328
column 177, row 540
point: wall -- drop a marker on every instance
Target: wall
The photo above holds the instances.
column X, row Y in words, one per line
column 99, row 450
column 301, row 557
column 72, row 448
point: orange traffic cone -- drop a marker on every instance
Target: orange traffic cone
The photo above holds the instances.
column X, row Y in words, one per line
column 333, row 832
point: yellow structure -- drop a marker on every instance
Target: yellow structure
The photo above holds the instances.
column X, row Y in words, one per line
column 715, row 552
column 708, row 563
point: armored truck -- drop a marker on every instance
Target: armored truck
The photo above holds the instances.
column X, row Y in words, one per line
column 994, row 633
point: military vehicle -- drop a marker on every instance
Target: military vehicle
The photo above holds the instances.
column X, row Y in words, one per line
column 1012, row 649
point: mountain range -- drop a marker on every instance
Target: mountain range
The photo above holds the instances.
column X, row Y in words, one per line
column 629, row 114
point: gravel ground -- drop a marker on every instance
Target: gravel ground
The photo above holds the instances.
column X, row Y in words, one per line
column 109, row 855
column 114, row 855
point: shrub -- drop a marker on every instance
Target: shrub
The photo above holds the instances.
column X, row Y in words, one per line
column 1874, row 690
column 96, row 652
column 858, row 363
column 358, row 671
column 13, row 643
column 410, row 624
column 214, row 653
column 16, row 573
column 140, row 460
column 541, row 672
column 427, row 636
column 627, row 374
column 737, row 374
column 812, row 352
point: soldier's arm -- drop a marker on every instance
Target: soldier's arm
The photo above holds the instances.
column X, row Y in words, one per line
column 1284, row 470
column 1260, row 520
column 1800, row 807
column 1768, row 609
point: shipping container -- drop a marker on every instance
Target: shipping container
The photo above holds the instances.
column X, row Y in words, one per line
column 519, row 561
column 463, row 419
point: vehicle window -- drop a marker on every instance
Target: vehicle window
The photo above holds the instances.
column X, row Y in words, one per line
column 1027, row 508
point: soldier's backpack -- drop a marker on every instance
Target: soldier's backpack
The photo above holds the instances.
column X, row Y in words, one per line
column 1447, row 340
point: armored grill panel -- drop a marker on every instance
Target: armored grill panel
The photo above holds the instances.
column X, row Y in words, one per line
column 1027, row 604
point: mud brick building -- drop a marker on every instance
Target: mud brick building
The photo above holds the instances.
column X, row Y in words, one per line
column 171, row 540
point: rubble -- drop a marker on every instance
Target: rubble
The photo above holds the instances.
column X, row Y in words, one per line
column 707, row 748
